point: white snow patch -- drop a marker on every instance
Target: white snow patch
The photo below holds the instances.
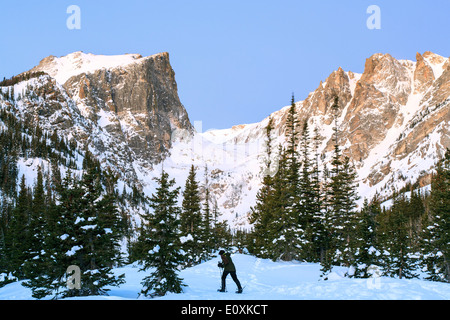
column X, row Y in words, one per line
column 265, row 280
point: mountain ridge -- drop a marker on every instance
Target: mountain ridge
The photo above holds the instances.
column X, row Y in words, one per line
column 393, row 122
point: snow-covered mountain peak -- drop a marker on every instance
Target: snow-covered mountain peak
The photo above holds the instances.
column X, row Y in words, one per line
column 63, row 68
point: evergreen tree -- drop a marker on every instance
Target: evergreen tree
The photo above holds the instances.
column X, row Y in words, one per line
column 398, row 259
column 162, row 239
column 6, row 275
column 307, row 196
column 18, row 237
column 191, row 221
column 367, row 251
column 37, row 218
column 284, row 232
column 262, row 213
column 98, row 230
column 206, row 221
column 220, row 230
column 315, row 232
column 293, row 205
column 415, row 213
column 334, row 201
column 38, row 267
column 436, row 234
column 292, row 138
column 83, row 230
column 340, row 216
column 347, row 220
column 65, row 240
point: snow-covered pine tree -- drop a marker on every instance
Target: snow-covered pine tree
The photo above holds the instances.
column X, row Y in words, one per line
column 288, row 233
column 294, row 204
column 261, row 214
column 162, row 238
column 207, row 220
column 17, row 237
column 221, row 238
column 341, row 197
column 64, row 243
column 367, row 252
column 83, row 229
column 397, row 254
column 98, row 230
column 45, row 273
column 315, row 232
column 347, row 220
column 283, row 231
column 307, row 196
column 191, row 221
column 436, row 233
column 415, row 214
column 41, row 265
column 36, row 227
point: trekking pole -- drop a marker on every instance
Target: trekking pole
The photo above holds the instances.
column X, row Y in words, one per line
column 221, row 274
column 221, row 270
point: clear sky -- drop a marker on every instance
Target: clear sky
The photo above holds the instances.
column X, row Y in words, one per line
column 236, row 61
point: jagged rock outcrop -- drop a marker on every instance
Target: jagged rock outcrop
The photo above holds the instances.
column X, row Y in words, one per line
column 382, row 90
column 125, row 107
column 393, row 123
column 140, row 100
column 423, row 75
column 143, row 97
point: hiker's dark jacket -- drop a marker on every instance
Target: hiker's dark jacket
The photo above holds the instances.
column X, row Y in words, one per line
column 227, row 262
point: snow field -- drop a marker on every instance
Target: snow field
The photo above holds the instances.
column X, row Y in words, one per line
column 266, row 280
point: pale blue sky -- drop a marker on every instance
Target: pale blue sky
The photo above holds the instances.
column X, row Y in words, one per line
column 235, row 61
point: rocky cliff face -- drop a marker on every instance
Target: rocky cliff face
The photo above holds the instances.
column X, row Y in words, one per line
column 126, row 107
column 394, row 122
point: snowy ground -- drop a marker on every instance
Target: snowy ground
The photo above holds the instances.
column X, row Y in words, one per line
column 267, row 280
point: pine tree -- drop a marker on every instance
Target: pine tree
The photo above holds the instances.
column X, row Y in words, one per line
column 294, row 205
column 83, row 229
column 262, row 213
column 307, row 196
column 18, row 237
column 415, row 213
column 221, row 238
column 287, row 233
column 347, row 220
column 341, row 197
column 98, row 230
column 261, row 217
column 292, row 136
column 47, row 272
column 38, row 267
column 436, row 234
column 37, row 218
column 65, row 240
column 284, row 232
column 6, row 275
column 315, row 232
column 367, row 251
column 269, row 167
column 207, row 241
column 162, row 239
column 398, row 259
column 191, row 221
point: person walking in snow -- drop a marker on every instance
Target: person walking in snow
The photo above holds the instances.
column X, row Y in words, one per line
column 228, row 268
